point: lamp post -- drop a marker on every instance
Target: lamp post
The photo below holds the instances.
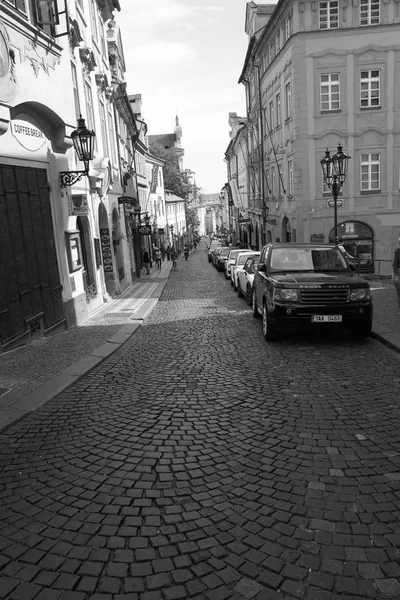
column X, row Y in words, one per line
column 334, row 169
column 83, row 140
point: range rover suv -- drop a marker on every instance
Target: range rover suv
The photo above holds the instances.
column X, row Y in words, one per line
column 308, row 286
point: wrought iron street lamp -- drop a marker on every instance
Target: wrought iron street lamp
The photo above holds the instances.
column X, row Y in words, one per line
column 334, row 169
column 83, row 140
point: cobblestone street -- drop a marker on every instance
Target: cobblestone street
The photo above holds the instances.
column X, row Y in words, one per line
column 199, row 461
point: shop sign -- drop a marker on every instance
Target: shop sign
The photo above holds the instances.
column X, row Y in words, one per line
column 78, row 204
column 106, row 249
column 144, row 230
column 243, row 220
column 29, row 136
column 161, row 231
column 339, row 203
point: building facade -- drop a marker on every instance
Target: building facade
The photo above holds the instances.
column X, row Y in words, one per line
column 64, row 247
column 320, row 74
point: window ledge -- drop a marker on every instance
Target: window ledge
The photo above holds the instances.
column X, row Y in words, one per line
column 334, row 110
column 370, row 107
column 288, row 119
column 370, row 192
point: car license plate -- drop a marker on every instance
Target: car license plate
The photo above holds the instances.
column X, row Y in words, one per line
column 326, row 318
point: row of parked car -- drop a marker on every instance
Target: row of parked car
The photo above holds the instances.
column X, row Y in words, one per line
column 297, row 286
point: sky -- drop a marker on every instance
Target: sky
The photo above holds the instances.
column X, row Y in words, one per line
column 185, row 58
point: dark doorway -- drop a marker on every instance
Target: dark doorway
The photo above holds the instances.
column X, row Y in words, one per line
column 30, row 289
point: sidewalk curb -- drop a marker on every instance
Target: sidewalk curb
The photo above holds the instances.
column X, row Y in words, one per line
column 386, row 336
column 76, row 371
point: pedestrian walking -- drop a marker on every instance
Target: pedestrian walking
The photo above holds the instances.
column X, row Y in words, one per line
column 174, row 258
column 162, row 252
column 186, row 251
column 396, row 273
column 168, row 252
column 157, row 256
column 146, row 261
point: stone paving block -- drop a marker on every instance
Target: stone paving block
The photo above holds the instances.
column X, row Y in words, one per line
column 389, row 588
column 248, row 588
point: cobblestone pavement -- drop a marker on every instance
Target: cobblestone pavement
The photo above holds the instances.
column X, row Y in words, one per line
column 198, row 461
column 25, row 369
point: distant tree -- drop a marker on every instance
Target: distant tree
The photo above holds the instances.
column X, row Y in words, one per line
column 176, row 181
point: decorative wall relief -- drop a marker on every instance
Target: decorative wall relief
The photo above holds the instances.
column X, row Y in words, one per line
column 8, row 78
column 39, row 62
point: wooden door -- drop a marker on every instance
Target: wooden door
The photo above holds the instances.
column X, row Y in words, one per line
column 29, row 278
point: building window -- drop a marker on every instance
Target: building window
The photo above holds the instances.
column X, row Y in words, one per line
column 288, row 101
column 370, row 88
column 103, row 124
column 271, row 115
column 75, row 90
column 329, row 14
column 288, row 27
column 370, row 172
column 278, row 110
column 93, row 17
column 290, row 177
column 369, row 12
column 273, row 179
column 278, row 41
column 111, row 130
column 89, row 109
column 19, row 5
column 330, row 91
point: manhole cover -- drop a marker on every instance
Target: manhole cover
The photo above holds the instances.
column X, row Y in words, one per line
column 4, row 391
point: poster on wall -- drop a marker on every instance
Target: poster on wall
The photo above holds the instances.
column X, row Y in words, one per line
column 106, row 250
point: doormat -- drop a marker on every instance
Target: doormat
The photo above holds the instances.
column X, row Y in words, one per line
column 4, row 391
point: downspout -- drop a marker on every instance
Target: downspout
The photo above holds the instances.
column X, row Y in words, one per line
column 262, row 167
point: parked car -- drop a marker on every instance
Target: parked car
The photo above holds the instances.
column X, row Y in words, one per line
column 239, row 264
column 231, row 259
column 246, row 278
column 213, row 244
column 214, row 256
column 309, row 286
column 222, row 256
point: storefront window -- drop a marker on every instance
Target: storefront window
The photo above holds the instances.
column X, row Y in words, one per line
column 358, row 240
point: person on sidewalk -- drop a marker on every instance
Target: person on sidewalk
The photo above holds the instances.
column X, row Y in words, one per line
column 186, row 252
column 146, row 261
column 174, row 258
column 396, row 273
column 168, row 251
column 162, row 252
column 157, row 256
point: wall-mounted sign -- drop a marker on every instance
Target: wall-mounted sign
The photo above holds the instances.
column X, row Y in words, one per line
column 29, row 136
column 78, row 204
column 339, row 203
column 144, row 230
column 106, row 249
column 161, row 231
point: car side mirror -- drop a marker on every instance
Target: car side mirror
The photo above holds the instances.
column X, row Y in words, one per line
column 352, row 267
column 261, row 267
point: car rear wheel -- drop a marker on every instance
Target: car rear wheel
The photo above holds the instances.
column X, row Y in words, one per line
column 256, row 314
column 226, row 275
column 248, row 295
column 269, row 331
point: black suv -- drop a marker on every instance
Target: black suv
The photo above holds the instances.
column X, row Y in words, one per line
column 304, row 286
